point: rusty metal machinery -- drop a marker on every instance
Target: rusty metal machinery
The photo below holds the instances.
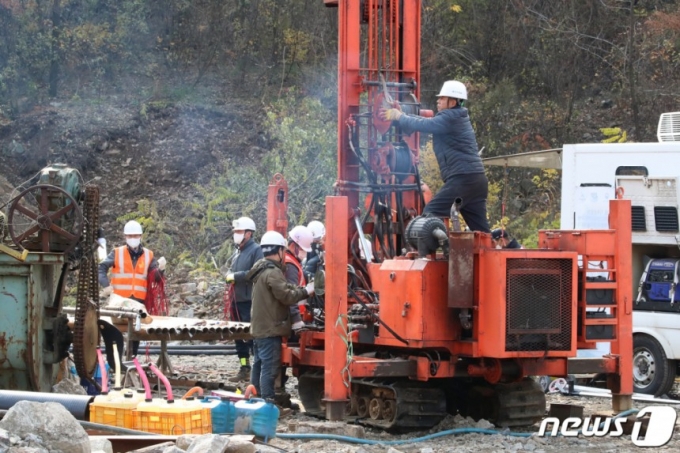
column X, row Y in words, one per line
column 414, row 320
column 51, row 224
column 46, row 217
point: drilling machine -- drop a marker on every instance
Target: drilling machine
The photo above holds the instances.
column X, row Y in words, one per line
column 412, row 319
column 52, row 221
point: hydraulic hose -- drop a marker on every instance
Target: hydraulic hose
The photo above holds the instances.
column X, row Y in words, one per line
column 356, row 440
column 448, row 432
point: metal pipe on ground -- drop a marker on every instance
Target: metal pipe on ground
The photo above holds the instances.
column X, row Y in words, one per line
column 196, row 346
column 156, row 351
column 77, row 405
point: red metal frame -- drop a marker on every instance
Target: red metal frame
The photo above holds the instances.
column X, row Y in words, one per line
column 277, row 205
column 414, row 293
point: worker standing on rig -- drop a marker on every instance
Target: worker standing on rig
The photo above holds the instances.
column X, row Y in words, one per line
column 270, row 317
column 247, row 254
column 455, row 147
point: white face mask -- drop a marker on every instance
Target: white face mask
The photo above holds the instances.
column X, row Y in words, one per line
column 133, row 242
column 238, row 238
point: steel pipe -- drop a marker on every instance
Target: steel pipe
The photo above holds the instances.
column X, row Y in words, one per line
column 157, row 351
column 77, row 405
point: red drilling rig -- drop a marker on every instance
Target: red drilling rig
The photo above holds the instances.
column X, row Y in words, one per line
column 412, row 319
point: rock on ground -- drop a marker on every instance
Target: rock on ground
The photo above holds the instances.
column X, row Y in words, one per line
column 49, row 422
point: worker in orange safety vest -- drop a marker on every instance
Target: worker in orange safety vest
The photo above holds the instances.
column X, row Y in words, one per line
column 130, row 266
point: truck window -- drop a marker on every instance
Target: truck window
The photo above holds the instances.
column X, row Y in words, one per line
column 632, row 171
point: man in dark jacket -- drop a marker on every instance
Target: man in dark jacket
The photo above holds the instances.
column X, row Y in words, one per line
column 502, row 239
column 270, row 318
column 247, row 254
column 455, row 147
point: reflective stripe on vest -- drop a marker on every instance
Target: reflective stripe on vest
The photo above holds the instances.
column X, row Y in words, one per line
column 129, row 281
column 301, row 275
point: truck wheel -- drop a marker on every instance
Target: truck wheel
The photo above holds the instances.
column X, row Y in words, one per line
column 653, row 373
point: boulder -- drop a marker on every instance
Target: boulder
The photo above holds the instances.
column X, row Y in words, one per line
column 209, row 443
column 50, row 422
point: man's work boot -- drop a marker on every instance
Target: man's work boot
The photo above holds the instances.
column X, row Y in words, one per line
column 242, row 376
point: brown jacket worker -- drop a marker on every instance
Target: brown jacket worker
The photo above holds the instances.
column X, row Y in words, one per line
column 270, row 317
column 455, row 147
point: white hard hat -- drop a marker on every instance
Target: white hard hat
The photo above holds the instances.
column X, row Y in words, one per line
column 273, row 238
column 453, row 89
column 244, row 223
column 302, row 236
column 132, row 227
column 317, row 229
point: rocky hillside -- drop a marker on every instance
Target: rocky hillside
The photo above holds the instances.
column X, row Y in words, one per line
column 132, row 151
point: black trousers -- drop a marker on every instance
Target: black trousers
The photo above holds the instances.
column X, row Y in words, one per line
column 473, row 190
column 244, row 349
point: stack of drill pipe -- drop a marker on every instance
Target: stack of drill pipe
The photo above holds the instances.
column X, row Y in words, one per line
column 120, row 312
column 194, row 350
column 185, row 325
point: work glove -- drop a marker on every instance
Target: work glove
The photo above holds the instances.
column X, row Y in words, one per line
column 102, row 243
column 310, row 288
column 390, row 114
column 298, row 326
column 161, row 263
column 106, row 292
column 230, row 277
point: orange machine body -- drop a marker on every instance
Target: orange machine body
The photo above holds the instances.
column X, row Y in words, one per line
column 392, row 322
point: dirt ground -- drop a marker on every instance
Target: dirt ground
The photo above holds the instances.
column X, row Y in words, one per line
column 221, row 368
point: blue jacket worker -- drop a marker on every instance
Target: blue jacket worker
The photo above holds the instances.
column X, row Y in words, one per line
column 455, row 147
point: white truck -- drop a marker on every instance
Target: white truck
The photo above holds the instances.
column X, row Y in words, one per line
column 649, row 174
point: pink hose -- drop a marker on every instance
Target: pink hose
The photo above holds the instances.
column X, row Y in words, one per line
column 145, row 380
column 163, row 379
column 102, row 370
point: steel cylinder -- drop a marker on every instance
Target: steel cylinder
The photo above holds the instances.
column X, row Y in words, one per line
column 77, row 405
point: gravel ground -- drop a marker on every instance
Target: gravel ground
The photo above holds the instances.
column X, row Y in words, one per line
column 217, row 368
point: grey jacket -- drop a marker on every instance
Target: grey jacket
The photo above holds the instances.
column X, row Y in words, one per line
column 453, row 138
column 246, row 256
column 272, row 297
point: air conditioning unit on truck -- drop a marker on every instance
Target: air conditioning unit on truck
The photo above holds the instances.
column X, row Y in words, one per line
column 648, row 174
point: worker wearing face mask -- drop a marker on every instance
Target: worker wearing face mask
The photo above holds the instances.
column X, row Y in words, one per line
column 130, row 266
column 248, row 252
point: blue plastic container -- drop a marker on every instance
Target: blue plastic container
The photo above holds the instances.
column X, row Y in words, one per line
column 97, row 376
column 222, row 413
column 256, row 416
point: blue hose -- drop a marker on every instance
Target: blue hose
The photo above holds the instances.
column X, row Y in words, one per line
column 448, row 432
column 356, row 440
